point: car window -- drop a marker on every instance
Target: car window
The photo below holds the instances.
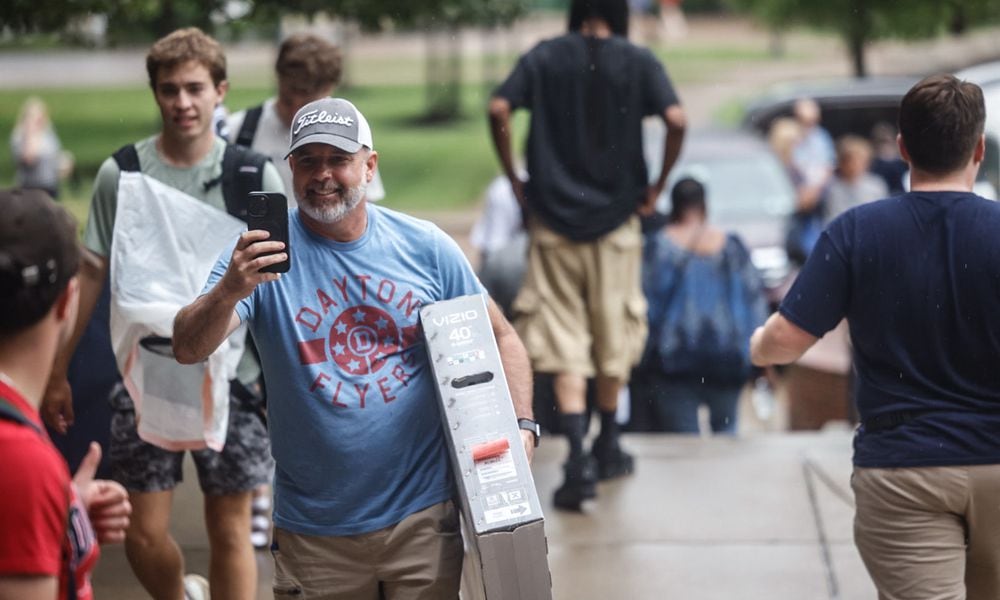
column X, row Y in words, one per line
column 740, row 187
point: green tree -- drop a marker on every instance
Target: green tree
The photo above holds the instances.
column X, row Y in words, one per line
column 859, row 22
column 132, row 20
column 31, row 16
column 440, row 20
column 128, row 20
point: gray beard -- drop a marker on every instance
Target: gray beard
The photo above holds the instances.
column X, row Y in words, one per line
column 331, row 214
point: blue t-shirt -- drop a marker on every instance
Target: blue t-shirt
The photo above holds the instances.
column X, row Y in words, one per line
column 918, row 278
column 355, row 428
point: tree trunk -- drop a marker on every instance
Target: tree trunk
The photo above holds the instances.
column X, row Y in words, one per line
column 776, row 42
column 166, row 20
column 857, row 31
column 856, row 46
column 958, row 23
column 444, row 74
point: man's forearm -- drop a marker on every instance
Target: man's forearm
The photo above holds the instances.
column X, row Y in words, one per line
column 500, row 132
column 201, row 326
column 516, row 364
column 779, row 342
column 676, row 128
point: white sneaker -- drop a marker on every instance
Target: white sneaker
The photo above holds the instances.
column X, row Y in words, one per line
column 261, row 504
column 260, row 523
column 259, row 540
column 196, row 587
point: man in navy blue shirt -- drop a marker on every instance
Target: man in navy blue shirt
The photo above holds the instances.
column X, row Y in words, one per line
column 918, row 278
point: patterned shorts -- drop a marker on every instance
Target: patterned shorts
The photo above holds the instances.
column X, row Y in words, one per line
column 244, row 463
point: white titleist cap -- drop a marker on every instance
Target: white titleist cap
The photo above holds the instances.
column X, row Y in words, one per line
column 332, row 121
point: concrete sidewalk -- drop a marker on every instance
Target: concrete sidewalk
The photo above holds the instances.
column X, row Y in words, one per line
column 765, row 516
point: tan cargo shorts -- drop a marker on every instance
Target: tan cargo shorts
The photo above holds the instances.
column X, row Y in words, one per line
column 581, row 309
column 930, row 533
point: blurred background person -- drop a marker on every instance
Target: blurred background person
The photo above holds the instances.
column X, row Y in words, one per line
column 814, row 155
column 886, row 162
column 705, row 299
column 39, row 161
column 806, row 222
column 308, row 68
column 502, row 242
column 672, row 19
column 852, row 183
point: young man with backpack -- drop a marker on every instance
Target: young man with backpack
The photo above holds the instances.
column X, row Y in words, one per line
column 50, row 525
column 308, row 68
column 187, row 74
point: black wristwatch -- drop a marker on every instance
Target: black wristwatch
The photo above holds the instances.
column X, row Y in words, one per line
column 529, row 425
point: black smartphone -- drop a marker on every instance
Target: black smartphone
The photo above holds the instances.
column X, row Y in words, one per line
column 269, row 211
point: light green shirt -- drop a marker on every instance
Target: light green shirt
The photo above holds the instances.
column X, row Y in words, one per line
column 190, row 180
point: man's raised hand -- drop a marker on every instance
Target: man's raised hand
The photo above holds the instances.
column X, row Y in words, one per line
column 250, row 256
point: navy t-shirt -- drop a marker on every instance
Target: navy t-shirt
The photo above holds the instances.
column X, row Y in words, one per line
column 918, row 278
column 587, row 98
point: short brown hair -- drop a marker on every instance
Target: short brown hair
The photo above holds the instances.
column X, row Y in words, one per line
column 941, row 120
column 309, row 61
column 185, row 45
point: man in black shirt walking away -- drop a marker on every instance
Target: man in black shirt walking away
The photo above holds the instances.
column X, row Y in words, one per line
column 581, row 312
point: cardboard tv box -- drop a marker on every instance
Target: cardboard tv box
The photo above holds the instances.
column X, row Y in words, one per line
column 506, row 550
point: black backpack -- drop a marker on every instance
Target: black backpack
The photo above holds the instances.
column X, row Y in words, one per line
column 242, row 173
column 248, row 130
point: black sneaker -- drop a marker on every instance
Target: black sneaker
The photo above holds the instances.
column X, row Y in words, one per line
column 581, row 477
column 612, row 461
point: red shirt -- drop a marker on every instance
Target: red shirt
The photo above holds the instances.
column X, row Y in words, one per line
column 44, row 529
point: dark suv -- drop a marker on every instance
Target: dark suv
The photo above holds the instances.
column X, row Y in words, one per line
column 856, row 105
column 848, row 105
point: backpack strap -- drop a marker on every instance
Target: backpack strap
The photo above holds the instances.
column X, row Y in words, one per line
column 127, row 158
column 242, row 173
column 9, row 412
column 248, row 130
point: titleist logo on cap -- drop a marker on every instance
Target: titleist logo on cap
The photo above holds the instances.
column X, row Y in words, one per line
column 321, row 116
column 332, row 121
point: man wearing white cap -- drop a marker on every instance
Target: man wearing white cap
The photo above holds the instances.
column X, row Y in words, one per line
column 362, row 484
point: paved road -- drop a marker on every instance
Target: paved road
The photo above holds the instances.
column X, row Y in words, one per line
column 765, row 516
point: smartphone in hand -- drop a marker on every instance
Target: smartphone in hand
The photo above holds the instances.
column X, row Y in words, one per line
column 269, row 211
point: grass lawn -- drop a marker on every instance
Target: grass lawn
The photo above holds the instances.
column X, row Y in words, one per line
column 424, row 167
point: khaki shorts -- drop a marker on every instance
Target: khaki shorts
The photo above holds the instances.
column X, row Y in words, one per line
column 418, row 558
column 930, row 533
column 581, row 308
